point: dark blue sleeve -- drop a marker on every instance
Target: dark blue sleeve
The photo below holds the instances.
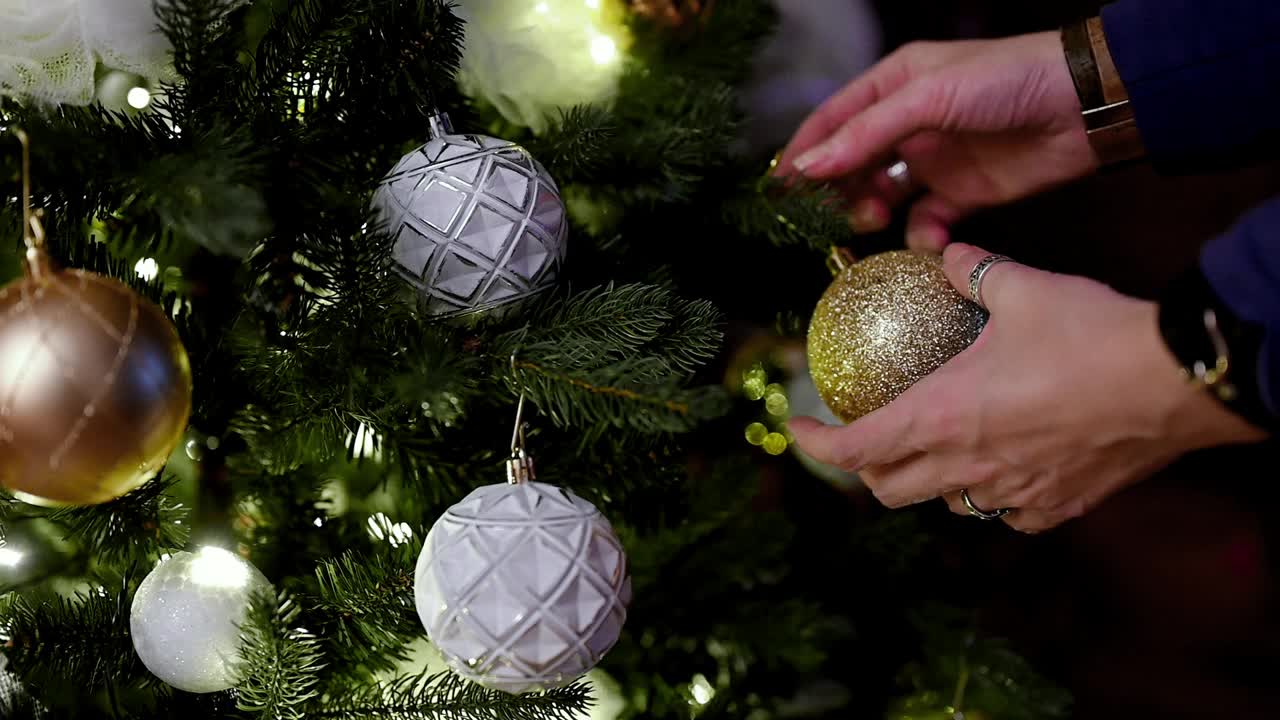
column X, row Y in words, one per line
column 1203, row 77
column 1243, row 266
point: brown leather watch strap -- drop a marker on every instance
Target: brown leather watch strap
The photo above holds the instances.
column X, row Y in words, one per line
column 1108, row 115
column 1083, row 64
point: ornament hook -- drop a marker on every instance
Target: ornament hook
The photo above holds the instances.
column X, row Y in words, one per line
column 439, row 124
column 519, row 465
column 839, row 259
column 32, row 228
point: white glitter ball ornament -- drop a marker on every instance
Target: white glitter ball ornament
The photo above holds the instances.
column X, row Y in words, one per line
column 186, row 615
column 478, row 222
column 522, row 586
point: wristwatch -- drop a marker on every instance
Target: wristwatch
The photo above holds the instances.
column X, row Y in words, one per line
column 1108, row 114
column 1218, row 350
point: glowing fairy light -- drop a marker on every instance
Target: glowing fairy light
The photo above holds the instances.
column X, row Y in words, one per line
column 382, row 527
column 603, row 49
column 701, row 690
column 365, row 443
column 139, row 97
column 147, row 269
column 216, row 567
column 10, row 558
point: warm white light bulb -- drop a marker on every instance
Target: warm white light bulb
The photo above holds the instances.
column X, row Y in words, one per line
column 147, row 269
column 542, row 8
column 139, row 97
column 593, row 4
column 364, row 442
column 603, row 49
column 701, row 689
column 216, row 567
column 9, row 557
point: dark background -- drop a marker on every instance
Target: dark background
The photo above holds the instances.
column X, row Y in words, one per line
column 1162, row 602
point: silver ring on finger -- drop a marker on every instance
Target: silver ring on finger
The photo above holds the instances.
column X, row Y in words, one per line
column 979, row 272
column 978, row 512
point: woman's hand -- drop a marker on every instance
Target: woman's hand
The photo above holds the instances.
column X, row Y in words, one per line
column 1068, row 395
column 979, row 123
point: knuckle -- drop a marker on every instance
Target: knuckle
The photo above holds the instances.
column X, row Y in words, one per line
column 849, row 460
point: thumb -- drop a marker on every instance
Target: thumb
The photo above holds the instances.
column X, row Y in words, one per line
column 1000, row 284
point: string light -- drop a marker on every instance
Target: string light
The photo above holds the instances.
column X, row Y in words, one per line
column 147, row 269
column 603, row 49
column 542, row 8
column 382, row 527
column 9, row 557
column 364, row 442
column 701, row 690
column 139, row 97
column 215, row 567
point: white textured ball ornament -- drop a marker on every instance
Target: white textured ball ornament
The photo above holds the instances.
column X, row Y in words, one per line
column 522, row 587
column 478, row 222
column 186, row 615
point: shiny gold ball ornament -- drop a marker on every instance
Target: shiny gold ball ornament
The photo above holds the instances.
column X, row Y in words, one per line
column 95, row 386
column 882, row 325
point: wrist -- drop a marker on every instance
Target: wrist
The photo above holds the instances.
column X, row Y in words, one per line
column 1216, row 355
column 1108, row 114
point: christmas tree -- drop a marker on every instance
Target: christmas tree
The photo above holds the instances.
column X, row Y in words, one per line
column 630, row 277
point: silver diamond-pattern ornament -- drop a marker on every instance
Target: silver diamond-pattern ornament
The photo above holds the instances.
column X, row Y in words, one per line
column 522, row 587
column 478, row 222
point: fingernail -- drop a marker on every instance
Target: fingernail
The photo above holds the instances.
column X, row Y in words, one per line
column 867, row 217
column 808, row 158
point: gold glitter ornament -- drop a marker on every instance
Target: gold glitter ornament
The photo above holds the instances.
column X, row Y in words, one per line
column 882, row 325
column 95, row 386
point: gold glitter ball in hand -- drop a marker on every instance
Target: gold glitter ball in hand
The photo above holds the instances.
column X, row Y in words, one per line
column 95, row 388
column 882, row 325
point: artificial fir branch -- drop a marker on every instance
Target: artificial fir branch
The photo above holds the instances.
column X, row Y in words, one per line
column 616, row 395
column 619, row 357
column 142, row 524
column 279, row 663
column 575, row 143
column 445, row 696
column 366, row 600
column 802, row 215
column 960, row 669
column 79, row 642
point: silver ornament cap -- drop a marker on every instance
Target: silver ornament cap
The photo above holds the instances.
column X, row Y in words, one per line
column 478, row 222
column 522, row 586
column 186, row 615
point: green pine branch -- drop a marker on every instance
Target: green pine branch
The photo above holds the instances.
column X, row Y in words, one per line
column 800, row 215
column 366, row 602
column 445, row 696
column 80, row 643
column 962, row 670
column 278, row 674
column 618, row 357
column 141, row 524
column 575, row 144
